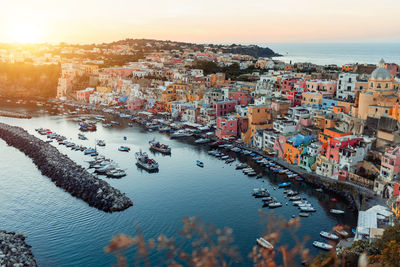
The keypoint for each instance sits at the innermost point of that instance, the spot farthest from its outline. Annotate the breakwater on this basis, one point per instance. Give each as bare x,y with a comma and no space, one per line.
14,115
14,251
64,172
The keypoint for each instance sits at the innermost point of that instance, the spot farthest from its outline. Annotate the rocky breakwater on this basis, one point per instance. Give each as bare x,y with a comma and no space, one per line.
14,252
14,115
64,172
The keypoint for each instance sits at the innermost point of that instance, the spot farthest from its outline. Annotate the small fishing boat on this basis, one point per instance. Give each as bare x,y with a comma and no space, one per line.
332,199
199,163
116,173
156,146
308,209
264,243
89,151
322,245
252,173
144,162
295,198
202,141
225,157
101,143
82,137
124,149
304,214
180,133
241,166
329,235
229,160
284,184
319,190
274,205
335,211
340,231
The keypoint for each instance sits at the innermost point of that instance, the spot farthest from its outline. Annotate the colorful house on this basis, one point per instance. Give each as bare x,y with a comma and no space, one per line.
294,147
260,117
226,127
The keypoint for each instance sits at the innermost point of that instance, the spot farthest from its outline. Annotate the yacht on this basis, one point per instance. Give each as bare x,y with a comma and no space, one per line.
143,161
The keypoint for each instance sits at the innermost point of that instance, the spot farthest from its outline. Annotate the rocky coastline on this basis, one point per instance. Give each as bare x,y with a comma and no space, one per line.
64,172
14,251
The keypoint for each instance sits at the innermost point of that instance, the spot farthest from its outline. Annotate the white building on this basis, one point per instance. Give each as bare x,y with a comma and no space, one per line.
346,86
284,126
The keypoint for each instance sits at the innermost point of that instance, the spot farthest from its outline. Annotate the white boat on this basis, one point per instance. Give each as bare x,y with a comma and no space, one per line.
275,205
304,214
264,243
116,173
105,168
295,198
101,143
307,209
241,166
202,141
334,211
225,157
322,245
329,235
82,137
124,149
181,133
145,162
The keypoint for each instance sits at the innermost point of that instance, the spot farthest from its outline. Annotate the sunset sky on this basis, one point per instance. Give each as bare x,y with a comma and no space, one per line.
218,21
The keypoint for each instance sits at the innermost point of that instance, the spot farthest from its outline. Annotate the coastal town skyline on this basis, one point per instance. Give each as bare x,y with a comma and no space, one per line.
201,22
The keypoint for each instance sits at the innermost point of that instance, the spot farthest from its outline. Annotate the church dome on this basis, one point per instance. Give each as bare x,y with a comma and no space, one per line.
381,74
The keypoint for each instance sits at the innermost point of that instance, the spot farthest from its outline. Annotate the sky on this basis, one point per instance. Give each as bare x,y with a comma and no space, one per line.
201,21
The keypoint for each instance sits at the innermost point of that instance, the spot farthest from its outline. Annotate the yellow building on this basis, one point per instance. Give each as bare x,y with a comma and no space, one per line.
380,96
103,89
311,99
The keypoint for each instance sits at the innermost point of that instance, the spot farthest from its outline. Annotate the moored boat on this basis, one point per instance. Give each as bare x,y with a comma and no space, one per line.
156,146
143,161
264,243
124,149
322,245
335,211
329,235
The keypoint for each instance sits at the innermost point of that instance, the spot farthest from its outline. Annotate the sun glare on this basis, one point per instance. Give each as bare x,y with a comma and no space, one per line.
24,33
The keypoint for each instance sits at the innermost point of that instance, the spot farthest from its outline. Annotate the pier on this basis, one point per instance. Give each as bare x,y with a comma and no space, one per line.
14,251
64,172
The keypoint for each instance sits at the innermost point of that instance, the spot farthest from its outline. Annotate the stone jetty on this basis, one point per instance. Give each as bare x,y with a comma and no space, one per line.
14,252
14,115
64,172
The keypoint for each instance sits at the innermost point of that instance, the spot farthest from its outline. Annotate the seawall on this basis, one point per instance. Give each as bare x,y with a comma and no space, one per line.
64,172
14,115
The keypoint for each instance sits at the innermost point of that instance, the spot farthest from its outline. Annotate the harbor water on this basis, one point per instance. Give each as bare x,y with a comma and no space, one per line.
66,231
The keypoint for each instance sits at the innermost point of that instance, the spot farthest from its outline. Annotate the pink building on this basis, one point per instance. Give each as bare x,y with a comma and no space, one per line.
136,104
243,98
83,95
124,72
321,86
301,85
390,165
294,97
226,127
333,149
223,108
279,145
288,84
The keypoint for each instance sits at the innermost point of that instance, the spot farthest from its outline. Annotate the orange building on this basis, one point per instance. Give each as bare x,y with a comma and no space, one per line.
326,137
260,117
322,122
